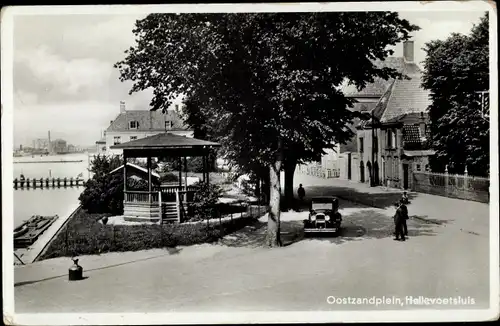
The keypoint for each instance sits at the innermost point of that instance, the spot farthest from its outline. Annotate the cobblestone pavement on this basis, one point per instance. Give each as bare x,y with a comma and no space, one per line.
238,274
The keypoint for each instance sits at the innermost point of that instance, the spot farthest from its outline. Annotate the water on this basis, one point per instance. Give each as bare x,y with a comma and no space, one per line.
51,201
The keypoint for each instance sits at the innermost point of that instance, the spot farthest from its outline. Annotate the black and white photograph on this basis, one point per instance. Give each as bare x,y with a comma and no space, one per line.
250,163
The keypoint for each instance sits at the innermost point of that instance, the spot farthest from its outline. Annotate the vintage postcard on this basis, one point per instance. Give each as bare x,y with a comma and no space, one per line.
250,163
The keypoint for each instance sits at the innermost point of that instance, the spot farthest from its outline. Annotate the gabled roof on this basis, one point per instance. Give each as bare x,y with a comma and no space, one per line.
403,98
379,85
164,141
137,167
148,120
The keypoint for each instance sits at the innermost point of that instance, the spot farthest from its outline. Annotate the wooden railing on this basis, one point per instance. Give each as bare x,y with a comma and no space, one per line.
141,196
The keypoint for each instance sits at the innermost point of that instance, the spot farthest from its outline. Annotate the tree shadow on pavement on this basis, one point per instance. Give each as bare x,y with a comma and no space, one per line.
252,235
382,199
371,224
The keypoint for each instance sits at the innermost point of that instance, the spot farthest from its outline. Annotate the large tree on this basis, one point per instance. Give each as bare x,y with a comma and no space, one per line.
455,70
265,85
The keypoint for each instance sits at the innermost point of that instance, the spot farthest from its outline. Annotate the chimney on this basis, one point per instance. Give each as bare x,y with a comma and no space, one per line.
122,107
408,51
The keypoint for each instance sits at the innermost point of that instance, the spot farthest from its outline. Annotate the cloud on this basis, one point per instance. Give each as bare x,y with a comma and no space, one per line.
24,99
68,76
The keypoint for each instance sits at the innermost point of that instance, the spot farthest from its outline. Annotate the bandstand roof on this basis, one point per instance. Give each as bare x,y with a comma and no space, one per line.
164,143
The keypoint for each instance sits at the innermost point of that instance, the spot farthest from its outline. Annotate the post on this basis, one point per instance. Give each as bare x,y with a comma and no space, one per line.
159,203
204,167
466,179
149,178
124,172
372,174
185,178
208,169
180,172
446,180
178,204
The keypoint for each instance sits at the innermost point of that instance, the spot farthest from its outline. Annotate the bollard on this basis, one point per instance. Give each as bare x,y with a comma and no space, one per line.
41,182
65,180
15,183
58,182
75,271
34,183
47,182
28,183
71,182
53,182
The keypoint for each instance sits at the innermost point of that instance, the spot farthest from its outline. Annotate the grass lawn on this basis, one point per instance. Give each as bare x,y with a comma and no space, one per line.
86,235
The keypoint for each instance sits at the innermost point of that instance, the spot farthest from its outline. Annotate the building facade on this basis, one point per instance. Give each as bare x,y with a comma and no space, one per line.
131,125
400,109
394,140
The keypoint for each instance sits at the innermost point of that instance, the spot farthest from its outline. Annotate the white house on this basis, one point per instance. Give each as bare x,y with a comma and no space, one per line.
130,125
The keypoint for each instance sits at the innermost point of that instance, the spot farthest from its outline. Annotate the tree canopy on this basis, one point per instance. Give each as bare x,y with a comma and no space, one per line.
265,85
455,70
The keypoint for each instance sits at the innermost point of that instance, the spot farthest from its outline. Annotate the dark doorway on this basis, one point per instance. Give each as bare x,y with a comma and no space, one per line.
361,172
348,166
405,176
376,173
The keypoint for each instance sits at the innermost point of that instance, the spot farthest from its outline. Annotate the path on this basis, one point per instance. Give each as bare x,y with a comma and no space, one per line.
440,259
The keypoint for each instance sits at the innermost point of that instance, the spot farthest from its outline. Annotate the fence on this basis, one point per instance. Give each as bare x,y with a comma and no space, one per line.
318,171
452,185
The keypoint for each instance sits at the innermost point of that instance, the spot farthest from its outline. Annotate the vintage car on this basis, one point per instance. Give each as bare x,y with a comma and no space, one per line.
324,216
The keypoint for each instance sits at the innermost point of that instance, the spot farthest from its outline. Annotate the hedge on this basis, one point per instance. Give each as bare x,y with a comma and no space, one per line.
85,235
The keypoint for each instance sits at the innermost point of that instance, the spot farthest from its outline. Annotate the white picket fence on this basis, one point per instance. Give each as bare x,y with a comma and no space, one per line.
318,171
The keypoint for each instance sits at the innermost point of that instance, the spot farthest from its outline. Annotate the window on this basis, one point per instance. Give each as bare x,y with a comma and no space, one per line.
133,138
391,138
169,125
117,140
361,145
134,124
418,167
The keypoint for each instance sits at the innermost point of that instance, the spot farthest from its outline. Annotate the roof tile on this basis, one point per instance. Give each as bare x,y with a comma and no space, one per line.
148,120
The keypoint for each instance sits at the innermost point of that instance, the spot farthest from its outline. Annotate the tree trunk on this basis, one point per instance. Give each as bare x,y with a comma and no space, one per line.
290,166
257,189
273,222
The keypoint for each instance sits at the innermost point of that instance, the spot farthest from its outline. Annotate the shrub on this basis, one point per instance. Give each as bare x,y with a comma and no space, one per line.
205,199
169,177
104,192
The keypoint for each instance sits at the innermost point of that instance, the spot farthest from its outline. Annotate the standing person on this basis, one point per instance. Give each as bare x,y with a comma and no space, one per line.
404,198
302,193
398,222
404,213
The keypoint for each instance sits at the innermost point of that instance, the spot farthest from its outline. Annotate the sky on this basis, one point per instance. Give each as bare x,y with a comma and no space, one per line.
64,80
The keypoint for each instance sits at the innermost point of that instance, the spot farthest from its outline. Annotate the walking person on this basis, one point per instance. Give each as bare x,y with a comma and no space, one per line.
301,193
405,217
399,217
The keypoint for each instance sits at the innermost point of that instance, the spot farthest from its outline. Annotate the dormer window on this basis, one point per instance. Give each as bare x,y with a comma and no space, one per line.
169,125
134,124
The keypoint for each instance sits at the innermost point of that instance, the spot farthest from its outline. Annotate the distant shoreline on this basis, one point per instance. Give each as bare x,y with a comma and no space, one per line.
60,161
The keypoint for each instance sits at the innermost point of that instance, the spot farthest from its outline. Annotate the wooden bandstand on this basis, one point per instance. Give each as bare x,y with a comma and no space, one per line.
166,203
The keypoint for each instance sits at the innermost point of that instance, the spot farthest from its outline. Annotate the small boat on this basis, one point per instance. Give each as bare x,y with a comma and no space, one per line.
20,230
